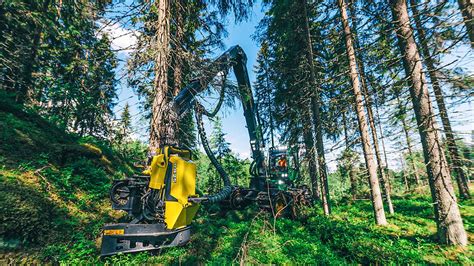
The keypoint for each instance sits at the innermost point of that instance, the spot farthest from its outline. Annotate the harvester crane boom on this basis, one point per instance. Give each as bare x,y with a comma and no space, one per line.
236,59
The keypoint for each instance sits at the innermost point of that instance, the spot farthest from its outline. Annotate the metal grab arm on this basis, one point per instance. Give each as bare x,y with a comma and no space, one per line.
184,101
236,59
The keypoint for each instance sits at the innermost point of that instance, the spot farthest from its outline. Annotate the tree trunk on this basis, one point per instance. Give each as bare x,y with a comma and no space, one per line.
323,176
163,123
296,160
26,87
178,75
376,196
468,156
447,215
410,152
352,177
270,103
178,50
373,129
443,112
381,133
311,158
407,138
467,10
405,180
177,57
315,106
384,151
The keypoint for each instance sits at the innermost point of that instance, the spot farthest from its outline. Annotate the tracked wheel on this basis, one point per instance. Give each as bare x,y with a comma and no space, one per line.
278,204
301,201
236,200
120,193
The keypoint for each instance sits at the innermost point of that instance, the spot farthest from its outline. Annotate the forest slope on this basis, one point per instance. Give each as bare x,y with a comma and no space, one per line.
53,202
53,186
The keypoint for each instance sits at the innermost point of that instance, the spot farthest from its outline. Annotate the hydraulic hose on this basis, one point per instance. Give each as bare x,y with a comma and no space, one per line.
227,189
216,109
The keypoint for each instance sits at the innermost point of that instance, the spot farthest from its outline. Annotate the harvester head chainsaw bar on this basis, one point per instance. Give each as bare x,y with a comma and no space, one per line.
128,238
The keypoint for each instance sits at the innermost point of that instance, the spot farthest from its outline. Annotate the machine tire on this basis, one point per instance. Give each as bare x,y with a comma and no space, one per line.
120,191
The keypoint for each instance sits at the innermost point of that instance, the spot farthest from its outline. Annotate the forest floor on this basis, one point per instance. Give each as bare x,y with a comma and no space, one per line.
53,203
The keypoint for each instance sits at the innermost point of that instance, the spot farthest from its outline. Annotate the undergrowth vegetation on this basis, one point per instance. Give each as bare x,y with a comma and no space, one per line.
53,203
348,236
53,185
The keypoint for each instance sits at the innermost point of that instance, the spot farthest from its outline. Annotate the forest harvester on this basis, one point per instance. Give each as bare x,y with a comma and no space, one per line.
163,201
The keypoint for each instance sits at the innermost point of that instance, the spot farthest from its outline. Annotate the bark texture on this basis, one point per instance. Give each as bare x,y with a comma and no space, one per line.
448,218
467,10
350,166
311,158
178,53
456,164
163,122
368,102
376,196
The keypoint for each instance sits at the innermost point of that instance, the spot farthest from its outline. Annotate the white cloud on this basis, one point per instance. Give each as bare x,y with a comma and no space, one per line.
123,40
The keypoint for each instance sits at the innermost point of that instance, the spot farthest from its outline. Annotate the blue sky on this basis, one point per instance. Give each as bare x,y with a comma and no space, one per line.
233,120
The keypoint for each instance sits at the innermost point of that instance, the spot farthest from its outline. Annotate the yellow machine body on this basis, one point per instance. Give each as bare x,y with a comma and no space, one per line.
174,174
158,168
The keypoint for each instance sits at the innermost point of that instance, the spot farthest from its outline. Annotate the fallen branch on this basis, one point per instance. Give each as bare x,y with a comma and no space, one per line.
37,172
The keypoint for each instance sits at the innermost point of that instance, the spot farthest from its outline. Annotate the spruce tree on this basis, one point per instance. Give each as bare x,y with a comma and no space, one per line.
376,195
217,141
447,215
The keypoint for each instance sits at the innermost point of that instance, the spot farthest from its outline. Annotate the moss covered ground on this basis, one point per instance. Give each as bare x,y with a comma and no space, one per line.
53,203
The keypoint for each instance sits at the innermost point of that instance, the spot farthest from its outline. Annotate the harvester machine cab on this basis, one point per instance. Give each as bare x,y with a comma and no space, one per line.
279,164
283,165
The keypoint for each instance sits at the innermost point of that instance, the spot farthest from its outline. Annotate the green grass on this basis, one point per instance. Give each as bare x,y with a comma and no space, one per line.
53,203
348,236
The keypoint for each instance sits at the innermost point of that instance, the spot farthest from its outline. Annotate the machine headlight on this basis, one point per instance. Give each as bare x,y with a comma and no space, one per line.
280,182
